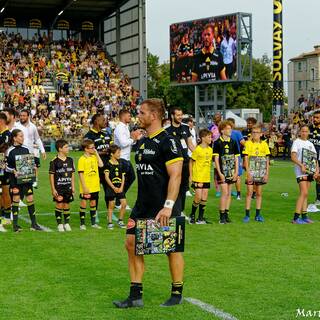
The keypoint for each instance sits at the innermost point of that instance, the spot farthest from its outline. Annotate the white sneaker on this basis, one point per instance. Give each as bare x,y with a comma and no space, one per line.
188,194
67,227
35,184
121,224
95,226
118,207
60,227
184,215
22,204
110,226
2,229
83,227
312,208
128,207
238,198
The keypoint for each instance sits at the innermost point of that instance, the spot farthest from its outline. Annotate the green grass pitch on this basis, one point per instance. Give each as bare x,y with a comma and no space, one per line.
253,271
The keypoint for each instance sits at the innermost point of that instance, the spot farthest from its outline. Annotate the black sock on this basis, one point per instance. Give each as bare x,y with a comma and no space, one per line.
202,207
176,289
82,216
226,214
7,213
296,216
238,194
253,194
15,212
195,206
304,215
58,214
135,291
93,214
221,214
66,215
247,212
32,212
258,212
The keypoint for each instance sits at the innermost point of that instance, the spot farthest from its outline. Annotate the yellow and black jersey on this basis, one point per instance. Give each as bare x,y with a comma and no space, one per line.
102,141
88,165
116,173
314,137
62,171
153,155
208,65
256,149
201,167
181,134
5,137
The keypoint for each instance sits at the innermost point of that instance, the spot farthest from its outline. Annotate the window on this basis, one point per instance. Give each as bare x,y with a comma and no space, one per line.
312,74
299,66
300,85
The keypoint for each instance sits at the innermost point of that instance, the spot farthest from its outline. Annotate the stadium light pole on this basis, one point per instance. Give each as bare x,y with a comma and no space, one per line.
278,92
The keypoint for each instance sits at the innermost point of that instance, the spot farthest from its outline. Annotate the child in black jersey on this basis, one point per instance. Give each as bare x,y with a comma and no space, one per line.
18,189
115,178
61,173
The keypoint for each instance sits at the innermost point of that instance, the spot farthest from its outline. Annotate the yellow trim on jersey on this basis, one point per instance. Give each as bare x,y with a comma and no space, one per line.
93,130
174,160
6,129
215,154
156,133
227,140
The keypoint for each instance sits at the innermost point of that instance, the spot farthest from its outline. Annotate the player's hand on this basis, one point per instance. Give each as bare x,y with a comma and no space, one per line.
222,177
303,168
54,193
163,216
44,156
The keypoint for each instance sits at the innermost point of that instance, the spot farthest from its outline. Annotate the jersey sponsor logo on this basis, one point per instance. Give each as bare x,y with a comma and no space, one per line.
148,151
144,169
173,146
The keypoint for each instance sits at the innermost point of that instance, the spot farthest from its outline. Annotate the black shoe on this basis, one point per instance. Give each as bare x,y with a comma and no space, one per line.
36,227
172,301
17,228
192,221
227,218
129,303
223,221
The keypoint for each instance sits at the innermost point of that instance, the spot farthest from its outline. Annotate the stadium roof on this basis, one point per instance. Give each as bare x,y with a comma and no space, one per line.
48,10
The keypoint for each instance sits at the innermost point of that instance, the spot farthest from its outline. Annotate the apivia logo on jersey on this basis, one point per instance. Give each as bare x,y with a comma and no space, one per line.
144,169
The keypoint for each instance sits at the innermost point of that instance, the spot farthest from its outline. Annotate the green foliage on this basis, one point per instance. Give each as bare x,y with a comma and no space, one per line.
255,94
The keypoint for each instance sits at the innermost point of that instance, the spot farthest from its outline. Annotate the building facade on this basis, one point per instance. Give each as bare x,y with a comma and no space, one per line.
304,78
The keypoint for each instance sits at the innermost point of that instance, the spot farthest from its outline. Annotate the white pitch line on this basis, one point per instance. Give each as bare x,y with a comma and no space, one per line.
211,309
46,229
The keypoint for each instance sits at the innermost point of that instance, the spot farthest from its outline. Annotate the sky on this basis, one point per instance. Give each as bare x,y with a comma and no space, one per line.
300,23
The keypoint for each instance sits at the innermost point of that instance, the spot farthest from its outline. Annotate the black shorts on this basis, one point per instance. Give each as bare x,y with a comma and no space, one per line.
200,185
5,179
119,196
63,197
305,178
90,196
131,225
22,190
37,162
227,181
252,183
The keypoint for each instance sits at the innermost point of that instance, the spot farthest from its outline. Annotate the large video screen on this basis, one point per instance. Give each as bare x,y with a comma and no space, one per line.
204,51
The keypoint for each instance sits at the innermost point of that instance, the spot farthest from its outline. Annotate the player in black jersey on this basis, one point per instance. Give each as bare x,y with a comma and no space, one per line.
181,133
5,136
115,177
226,153
159,165
61,174
18,191
314,137
208,64
102,141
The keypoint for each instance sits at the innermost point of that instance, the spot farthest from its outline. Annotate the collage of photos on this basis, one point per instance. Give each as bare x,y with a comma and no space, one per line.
151,238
